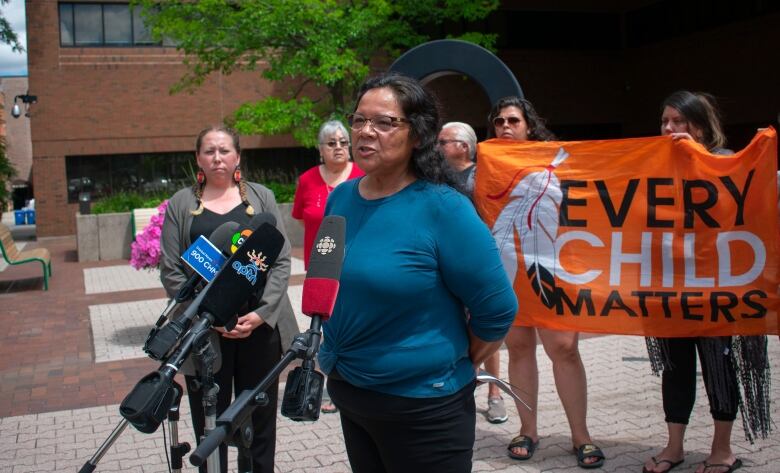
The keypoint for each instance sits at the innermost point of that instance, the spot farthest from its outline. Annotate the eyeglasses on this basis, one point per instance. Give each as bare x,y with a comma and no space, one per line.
337,144
446,142
381,123
513,121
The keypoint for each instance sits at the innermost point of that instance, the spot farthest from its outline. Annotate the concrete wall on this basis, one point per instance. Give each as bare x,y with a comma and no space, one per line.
103,237
292,227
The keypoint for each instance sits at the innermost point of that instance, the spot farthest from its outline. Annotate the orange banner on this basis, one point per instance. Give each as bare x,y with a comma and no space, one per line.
643,236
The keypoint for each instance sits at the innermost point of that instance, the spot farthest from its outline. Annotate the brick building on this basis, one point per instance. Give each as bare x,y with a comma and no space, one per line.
596,69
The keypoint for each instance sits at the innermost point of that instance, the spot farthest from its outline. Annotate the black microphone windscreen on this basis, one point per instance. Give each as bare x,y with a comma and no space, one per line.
261,218
321,285
242,274
243,232
221,236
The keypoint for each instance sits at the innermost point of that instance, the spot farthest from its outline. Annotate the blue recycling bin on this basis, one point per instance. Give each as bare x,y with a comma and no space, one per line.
30,216
19,216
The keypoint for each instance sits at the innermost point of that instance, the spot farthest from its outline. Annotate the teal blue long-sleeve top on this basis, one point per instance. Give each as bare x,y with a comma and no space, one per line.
412,261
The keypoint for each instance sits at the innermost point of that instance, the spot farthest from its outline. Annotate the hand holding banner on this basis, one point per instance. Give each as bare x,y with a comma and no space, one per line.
639,236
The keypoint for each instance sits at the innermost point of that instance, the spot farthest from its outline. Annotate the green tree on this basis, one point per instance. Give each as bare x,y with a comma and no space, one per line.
7,34
320,50
7,172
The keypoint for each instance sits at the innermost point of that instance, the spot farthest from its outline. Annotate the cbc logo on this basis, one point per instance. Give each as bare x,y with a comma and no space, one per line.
326,245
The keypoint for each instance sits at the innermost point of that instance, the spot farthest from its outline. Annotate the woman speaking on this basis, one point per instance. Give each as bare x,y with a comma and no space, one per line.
399,351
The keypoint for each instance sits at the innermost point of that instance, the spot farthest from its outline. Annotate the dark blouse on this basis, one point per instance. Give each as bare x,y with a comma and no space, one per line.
205,223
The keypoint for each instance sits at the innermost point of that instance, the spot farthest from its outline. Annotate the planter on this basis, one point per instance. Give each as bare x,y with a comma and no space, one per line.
103,237
108,236
87,242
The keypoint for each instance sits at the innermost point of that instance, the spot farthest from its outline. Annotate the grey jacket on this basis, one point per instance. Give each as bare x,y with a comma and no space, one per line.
275,307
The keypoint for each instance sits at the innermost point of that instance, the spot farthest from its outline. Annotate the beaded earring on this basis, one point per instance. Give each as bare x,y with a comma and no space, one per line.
200,177
237,175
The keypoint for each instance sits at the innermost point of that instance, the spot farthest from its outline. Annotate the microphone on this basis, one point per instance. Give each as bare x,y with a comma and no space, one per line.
162,339
228,236
303,390
220,238
246,272
146,405
240,235
321,285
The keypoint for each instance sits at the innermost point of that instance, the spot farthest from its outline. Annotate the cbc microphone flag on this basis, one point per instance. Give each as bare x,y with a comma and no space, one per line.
645,236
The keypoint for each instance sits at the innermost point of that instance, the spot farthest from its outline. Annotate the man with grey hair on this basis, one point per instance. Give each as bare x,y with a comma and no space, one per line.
458,143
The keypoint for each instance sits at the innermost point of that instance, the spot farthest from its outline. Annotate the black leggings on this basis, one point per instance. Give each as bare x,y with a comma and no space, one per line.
679,383
392,434
244,363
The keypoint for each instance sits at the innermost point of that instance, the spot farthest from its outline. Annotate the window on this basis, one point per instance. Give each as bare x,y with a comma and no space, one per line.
104,24
118,24
149,173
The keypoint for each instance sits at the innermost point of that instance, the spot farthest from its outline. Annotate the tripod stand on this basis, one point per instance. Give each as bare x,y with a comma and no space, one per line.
155,397
177,450
234,426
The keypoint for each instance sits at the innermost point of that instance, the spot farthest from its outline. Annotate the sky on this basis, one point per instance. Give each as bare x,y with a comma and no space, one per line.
11,63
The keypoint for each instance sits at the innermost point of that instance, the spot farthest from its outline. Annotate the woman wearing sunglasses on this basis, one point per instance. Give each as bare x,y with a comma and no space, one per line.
313,189
316,184
513,118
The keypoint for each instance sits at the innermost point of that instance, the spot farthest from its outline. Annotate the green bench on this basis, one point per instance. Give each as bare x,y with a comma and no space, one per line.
13,256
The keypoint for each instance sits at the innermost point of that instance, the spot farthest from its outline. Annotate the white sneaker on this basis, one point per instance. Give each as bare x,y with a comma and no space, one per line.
496,412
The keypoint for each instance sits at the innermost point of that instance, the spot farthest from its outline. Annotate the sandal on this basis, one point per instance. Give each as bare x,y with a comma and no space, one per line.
731,468
328,407
588,450
672,465
522,441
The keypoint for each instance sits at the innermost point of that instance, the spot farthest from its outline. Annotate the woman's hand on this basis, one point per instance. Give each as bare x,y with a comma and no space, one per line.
681,136
244,326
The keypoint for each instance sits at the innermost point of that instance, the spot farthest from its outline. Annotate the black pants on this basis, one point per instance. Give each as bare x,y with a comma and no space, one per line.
385,433
679,383
244,363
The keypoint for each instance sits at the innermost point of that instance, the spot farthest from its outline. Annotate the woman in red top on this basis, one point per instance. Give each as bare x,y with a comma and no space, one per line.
313,189
315,184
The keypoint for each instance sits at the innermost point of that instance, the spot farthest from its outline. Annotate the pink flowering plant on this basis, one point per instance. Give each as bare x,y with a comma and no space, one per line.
145,250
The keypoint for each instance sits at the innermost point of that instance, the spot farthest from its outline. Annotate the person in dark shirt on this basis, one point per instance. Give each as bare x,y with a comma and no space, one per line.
458,144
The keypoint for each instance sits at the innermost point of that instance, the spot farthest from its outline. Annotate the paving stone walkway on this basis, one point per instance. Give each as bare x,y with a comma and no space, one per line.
67,358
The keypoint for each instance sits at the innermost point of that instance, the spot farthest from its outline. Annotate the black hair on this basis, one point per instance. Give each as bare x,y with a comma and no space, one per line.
422,111
537,130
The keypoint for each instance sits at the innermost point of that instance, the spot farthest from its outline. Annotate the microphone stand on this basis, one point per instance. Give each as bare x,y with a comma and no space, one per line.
204,357
234,426
177,450
155,386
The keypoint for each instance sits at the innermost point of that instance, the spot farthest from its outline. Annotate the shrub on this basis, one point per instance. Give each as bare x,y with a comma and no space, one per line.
126,202
145,250
284,193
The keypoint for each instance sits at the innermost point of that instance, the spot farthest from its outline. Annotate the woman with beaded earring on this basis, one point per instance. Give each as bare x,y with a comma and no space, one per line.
314,187
266,324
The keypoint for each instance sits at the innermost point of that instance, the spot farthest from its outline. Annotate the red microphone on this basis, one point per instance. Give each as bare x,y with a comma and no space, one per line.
303,390
321,286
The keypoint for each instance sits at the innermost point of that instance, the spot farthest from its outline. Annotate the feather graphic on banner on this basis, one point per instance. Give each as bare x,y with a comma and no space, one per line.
532,211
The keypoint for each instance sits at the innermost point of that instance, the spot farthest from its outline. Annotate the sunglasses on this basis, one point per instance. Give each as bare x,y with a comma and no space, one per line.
337,144
499,121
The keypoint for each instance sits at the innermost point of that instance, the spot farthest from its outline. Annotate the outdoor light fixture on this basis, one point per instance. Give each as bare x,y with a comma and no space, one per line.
26,99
